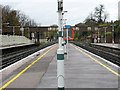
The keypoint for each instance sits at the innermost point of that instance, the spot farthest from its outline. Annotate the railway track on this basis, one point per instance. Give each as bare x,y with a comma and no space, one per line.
111,54
10,58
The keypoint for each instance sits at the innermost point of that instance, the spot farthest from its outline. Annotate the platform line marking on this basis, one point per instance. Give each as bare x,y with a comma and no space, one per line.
4,86
98,61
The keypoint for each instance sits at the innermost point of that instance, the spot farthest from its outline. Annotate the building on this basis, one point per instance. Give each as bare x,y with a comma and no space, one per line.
119,10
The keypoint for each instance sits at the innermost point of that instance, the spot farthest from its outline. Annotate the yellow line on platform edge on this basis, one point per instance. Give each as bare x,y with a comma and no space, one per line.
4,86
98,62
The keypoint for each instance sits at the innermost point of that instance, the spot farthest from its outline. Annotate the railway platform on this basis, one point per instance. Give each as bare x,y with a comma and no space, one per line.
82,70
14,46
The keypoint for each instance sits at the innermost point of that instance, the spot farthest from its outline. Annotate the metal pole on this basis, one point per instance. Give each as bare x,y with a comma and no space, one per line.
113,34
0,19
60,53
62,31
98,35
67,43
28,34
105,34
22,32
65,46
13,30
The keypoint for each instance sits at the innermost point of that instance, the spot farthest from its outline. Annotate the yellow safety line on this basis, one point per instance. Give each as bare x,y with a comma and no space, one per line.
4,86
98,62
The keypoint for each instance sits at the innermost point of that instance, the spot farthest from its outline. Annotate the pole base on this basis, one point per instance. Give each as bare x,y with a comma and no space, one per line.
61,88
65,53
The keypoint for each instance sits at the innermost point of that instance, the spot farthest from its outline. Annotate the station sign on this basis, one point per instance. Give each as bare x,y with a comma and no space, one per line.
94,36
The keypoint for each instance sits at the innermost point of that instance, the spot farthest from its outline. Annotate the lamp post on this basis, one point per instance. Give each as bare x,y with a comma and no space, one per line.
60,52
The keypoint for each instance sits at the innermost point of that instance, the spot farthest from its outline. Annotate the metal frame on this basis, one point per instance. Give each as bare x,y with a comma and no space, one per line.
72,34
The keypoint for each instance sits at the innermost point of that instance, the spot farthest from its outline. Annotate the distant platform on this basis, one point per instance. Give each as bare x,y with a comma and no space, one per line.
108,45
12,46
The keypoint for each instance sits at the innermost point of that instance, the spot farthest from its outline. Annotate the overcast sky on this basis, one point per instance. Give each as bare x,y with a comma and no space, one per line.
45,11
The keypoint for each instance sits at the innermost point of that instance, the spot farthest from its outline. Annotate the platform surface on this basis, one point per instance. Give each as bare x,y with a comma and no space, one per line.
82,70
12,46
108,45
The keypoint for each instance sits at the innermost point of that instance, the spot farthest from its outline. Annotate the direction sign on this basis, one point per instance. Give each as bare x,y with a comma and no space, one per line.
67,26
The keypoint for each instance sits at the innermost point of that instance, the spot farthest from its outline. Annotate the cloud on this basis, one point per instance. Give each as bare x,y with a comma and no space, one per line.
45,11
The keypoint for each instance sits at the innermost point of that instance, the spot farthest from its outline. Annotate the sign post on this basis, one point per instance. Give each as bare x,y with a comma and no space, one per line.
94,36
67,27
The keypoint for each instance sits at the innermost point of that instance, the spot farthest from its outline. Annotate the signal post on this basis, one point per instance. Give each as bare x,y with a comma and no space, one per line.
60,51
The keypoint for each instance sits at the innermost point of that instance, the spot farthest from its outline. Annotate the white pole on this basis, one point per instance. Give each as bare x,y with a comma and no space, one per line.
67,43
0,19
60,52
113,34
98,35
13,30
62,31
105,34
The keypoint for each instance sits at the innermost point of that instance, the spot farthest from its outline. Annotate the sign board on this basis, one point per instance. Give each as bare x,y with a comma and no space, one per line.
67,26
94,36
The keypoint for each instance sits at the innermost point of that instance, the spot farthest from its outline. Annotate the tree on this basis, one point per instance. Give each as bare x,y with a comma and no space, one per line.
106,15
100,14
90,20
15,18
